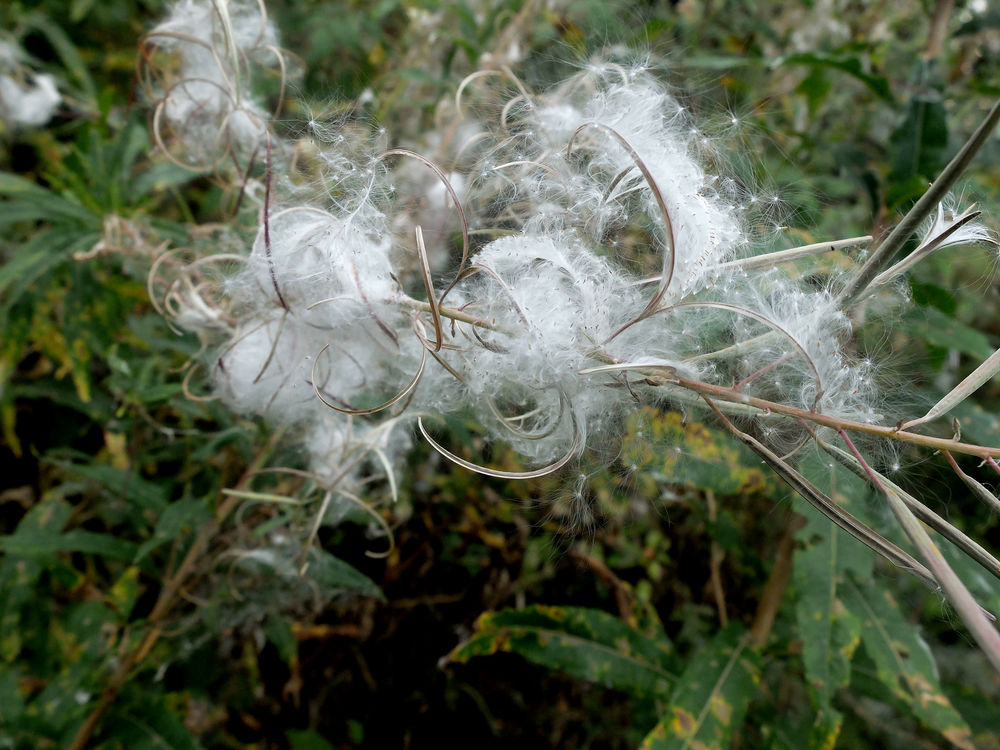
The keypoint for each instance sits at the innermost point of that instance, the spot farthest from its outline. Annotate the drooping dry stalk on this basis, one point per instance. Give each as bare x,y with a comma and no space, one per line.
884,253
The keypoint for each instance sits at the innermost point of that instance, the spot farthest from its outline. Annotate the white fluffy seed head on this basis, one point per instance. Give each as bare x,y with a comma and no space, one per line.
27,99
973,232
320,266
205,94
622,126
573,185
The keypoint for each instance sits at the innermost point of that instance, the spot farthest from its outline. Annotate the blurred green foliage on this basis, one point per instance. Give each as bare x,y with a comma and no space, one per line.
150,578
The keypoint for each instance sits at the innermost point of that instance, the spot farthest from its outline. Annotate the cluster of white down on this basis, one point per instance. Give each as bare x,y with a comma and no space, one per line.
705,227
27,99
205,105
323,331
318,316
556,302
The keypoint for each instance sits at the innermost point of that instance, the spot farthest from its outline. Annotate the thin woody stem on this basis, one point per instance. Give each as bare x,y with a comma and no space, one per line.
883,255
927,441
777,582
451,313
665,376
168,598
981,629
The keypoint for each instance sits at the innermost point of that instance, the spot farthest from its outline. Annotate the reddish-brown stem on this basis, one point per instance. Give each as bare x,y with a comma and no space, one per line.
267,226
728,394
777,582
872,477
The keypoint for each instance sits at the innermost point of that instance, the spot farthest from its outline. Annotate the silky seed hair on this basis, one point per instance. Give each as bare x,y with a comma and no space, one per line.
593,231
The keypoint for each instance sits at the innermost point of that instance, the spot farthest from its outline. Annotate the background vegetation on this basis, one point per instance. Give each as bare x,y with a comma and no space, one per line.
145,594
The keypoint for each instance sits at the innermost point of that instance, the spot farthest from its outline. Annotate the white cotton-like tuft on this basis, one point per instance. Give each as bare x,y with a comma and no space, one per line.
343,449
620,122
807,339
316,260
267,369
607,243
939,229
205,96
29,104
556,302
27,99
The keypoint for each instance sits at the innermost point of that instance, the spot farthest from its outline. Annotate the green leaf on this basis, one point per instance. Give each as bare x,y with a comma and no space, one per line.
18,579
121,483
47,204
673,451
926,294
327,570
712,697
152,728
852,65
815,87
978,425
32,260
906,190
79,9
11,696
938,329
161,177
67,51
173,521
83,635
307,740
125,591
38,535
829,633
903,661
585,643
719,62
279,632
75,540
917,146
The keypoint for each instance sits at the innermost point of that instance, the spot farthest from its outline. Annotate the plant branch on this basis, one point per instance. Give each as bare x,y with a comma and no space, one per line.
984,632
716,556
165,602
777,582
657,375
825,505
884,253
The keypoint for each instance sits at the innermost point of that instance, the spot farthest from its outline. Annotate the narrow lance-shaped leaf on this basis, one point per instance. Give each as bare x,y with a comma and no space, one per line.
585,643
829,633
903,661
852,65
882,255
917,145
710,701
978,488
331,571
962,391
